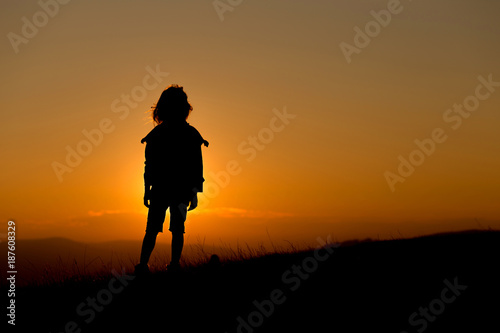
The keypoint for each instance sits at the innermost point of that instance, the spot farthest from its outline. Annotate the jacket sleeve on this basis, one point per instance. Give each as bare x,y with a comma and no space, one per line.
149,163
148,172
198,171
197,162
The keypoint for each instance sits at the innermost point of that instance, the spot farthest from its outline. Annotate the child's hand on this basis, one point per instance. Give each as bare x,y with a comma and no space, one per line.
194,202
147,197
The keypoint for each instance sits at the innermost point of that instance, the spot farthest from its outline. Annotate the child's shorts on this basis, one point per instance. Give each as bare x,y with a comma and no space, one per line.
157,212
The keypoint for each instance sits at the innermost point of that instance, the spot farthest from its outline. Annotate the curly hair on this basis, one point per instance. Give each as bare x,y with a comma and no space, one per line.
172,106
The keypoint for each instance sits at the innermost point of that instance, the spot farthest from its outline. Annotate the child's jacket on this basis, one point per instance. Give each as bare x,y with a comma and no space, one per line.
174,165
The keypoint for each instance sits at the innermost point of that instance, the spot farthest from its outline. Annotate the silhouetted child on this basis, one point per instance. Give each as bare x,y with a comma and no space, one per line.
173,173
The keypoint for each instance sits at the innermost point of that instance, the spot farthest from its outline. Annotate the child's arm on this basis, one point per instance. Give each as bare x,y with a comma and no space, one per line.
194,202
196,166
147,175
147,197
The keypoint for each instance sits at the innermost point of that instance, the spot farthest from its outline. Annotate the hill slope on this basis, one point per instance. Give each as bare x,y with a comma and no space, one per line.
441,283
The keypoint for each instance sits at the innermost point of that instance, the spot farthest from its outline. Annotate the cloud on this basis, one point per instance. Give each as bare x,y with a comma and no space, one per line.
232,212
104,212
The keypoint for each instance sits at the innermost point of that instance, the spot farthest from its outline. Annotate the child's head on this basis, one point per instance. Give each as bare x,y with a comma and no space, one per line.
173,105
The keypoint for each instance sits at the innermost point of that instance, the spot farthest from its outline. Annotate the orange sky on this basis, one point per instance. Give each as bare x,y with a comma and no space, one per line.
301,136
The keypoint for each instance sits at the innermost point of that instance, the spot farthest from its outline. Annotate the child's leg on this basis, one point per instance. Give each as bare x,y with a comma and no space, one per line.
177,244
178,213
156,216
148,244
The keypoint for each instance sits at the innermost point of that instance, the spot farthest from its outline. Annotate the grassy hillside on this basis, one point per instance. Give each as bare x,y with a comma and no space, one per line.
440,283
51,260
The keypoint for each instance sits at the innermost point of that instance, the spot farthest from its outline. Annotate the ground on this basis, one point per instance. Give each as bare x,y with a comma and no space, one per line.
439,283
